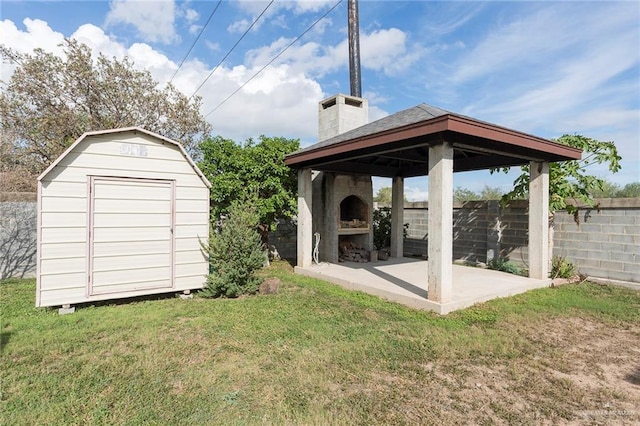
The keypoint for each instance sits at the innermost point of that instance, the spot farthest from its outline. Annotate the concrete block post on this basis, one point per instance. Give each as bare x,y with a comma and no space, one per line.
440,222
539,220
397,216
305,218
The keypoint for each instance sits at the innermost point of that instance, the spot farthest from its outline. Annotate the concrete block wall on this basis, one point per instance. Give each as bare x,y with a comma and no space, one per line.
606,242
478,231
284,239
18,238
415,214
514,241
470,232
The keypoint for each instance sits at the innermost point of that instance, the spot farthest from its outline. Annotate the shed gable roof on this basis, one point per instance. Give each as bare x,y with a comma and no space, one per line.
88,135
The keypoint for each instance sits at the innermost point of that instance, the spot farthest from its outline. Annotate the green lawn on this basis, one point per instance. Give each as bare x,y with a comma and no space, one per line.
317,354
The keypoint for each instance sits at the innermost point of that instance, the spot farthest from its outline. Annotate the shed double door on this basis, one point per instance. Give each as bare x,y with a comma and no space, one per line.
131,235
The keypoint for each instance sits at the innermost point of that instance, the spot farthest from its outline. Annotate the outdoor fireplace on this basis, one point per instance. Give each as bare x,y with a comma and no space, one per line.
341,203
342,206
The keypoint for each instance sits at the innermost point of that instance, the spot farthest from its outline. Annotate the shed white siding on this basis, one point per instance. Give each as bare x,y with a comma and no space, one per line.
122,213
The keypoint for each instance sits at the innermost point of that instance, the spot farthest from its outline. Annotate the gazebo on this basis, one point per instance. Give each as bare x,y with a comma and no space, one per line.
426,140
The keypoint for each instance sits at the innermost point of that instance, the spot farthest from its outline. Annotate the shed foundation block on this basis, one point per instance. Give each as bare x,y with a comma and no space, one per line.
66,309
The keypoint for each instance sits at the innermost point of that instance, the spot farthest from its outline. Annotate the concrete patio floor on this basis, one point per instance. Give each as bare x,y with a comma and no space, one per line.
404,280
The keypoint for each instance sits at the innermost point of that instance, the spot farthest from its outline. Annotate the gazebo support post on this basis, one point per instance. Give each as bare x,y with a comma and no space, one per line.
539,220
305,218
440,223
397,216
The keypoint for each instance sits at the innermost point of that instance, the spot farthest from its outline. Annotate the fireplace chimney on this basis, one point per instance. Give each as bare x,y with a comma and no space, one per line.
340,113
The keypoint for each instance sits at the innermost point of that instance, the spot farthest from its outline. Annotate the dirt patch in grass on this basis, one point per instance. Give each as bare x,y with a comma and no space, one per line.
585,373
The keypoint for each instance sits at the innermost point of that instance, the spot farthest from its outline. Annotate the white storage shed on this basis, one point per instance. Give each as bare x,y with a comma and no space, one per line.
121,213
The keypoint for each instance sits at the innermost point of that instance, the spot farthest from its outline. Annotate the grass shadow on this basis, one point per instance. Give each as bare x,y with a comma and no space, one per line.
4,339
634,377
130,300
291,262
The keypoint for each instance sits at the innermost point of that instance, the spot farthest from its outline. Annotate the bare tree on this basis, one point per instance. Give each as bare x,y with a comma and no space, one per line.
50,101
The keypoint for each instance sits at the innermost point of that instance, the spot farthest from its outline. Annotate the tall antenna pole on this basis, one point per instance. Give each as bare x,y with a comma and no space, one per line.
354,48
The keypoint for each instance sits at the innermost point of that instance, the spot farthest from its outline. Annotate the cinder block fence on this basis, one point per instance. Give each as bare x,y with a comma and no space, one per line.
605,244
18,224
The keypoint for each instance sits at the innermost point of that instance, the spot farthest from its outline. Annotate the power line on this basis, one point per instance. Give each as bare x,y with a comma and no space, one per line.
231,50
195,41
274,58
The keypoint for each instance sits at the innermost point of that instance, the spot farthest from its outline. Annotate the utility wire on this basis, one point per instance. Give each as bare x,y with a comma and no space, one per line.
231,50
274,58
196,40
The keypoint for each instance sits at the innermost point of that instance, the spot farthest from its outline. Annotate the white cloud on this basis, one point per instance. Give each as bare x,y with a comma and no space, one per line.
280,101
546,38
305,6
98,41
545,74
574,84
276,102
154,19
239,26
272,13
415,193
214,47
386,50
37,33
194,29
381,50
298,7
450,16
191,15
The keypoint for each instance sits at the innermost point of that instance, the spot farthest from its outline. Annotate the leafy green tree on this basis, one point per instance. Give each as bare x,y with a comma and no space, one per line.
254,167
235,252
608,190
462,195
50,101
382,228
569,182
383,195
630,190
491,193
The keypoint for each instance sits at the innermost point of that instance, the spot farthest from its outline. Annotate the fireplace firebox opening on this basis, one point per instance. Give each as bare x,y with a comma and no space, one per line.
354,213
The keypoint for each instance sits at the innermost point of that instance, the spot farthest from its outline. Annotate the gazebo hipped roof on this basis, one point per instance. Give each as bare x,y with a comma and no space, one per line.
398,145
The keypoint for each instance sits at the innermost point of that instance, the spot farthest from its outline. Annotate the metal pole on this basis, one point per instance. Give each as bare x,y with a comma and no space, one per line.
354,48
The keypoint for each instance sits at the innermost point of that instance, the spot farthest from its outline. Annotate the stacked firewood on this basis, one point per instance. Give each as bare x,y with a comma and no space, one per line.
351,252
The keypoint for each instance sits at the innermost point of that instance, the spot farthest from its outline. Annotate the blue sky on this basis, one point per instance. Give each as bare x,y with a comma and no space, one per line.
545,68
